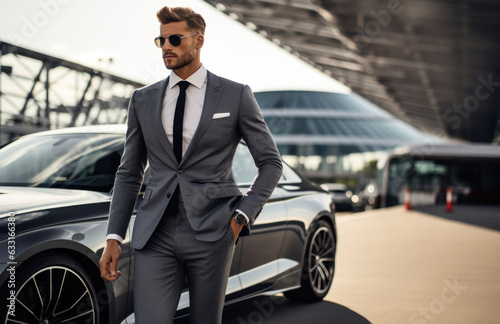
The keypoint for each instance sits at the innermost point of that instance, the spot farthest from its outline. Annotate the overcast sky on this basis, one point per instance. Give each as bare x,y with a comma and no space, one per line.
85,31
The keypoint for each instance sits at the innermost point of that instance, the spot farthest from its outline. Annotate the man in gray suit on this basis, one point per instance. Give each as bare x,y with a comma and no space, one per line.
192,210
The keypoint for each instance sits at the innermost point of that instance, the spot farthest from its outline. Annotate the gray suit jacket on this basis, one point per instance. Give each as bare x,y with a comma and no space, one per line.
204,175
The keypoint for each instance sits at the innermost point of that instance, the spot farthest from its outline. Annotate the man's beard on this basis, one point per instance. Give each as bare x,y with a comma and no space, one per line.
182,61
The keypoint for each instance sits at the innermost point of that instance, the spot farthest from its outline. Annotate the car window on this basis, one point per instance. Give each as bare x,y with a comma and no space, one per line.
75,161
244,168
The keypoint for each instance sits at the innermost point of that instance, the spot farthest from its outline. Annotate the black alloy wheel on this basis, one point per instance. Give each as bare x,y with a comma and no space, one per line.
54,289
318,265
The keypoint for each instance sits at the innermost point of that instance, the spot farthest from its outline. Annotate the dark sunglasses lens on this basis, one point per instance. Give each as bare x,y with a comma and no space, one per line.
175,40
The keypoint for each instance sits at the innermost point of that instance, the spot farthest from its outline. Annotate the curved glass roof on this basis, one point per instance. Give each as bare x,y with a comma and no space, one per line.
309,117
349,102
389,129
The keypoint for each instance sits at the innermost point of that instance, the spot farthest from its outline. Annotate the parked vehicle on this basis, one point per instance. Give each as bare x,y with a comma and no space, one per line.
427,171
55,191
341,195
367,198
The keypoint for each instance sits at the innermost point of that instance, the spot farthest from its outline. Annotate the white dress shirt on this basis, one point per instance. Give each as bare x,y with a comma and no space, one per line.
195,97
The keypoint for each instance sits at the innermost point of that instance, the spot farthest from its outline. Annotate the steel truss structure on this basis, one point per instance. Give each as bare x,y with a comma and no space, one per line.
40,92
432,63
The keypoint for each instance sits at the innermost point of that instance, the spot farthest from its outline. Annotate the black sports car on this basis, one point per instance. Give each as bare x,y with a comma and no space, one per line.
54,199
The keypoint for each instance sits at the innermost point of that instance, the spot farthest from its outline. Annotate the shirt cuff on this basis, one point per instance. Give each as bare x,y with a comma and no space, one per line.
242,213
114,237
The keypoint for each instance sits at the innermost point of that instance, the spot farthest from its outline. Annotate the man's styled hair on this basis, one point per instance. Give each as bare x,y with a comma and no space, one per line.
176,14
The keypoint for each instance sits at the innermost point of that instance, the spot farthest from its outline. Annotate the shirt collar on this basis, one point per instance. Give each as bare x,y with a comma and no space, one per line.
197,79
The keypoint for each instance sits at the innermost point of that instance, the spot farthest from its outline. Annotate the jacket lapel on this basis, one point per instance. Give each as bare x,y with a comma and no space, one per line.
159,129
212,96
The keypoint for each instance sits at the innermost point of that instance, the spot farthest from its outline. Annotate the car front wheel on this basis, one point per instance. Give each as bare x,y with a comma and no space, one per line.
53,288
318,265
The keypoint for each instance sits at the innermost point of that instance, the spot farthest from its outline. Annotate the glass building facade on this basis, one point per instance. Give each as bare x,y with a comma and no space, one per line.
330,136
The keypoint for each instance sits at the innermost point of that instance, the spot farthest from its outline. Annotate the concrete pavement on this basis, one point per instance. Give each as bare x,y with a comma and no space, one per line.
397,266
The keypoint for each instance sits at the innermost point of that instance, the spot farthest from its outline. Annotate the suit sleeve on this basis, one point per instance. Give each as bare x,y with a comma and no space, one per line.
129,176
260,142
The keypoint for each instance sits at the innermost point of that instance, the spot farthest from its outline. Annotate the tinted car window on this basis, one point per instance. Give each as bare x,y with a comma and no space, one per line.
244,168
75,161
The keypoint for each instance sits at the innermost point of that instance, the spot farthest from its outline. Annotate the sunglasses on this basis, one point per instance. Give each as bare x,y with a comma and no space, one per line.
174,40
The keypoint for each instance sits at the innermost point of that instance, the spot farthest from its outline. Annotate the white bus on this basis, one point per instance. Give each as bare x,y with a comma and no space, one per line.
472,172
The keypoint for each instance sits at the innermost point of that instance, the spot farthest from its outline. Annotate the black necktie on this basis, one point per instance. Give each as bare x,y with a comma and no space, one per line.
179,118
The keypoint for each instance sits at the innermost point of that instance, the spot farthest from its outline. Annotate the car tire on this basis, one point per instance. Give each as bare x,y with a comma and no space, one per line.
53,288
318,265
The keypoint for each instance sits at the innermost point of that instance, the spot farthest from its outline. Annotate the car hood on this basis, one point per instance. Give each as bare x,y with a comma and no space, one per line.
22,199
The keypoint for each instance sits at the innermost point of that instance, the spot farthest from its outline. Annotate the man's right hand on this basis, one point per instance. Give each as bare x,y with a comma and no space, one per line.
109,260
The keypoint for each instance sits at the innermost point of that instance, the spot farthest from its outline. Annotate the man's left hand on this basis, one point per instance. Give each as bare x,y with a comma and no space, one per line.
236,228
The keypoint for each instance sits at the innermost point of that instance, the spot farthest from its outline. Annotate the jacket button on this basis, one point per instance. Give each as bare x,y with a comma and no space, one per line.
180,171
168,195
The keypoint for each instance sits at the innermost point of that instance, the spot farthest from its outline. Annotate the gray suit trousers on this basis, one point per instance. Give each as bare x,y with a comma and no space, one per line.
171,254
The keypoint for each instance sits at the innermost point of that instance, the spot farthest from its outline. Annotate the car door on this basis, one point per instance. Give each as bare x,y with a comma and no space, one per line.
256,255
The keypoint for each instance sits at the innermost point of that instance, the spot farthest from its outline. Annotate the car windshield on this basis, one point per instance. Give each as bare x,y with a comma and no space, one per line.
74,161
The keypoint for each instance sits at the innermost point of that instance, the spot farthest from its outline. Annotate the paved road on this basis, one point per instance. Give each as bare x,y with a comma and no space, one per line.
396,266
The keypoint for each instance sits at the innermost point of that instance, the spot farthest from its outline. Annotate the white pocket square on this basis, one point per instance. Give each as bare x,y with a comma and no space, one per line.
221,115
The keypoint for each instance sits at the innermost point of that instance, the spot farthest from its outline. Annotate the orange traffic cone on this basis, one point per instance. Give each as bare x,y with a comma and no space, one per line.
449,199
407,198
